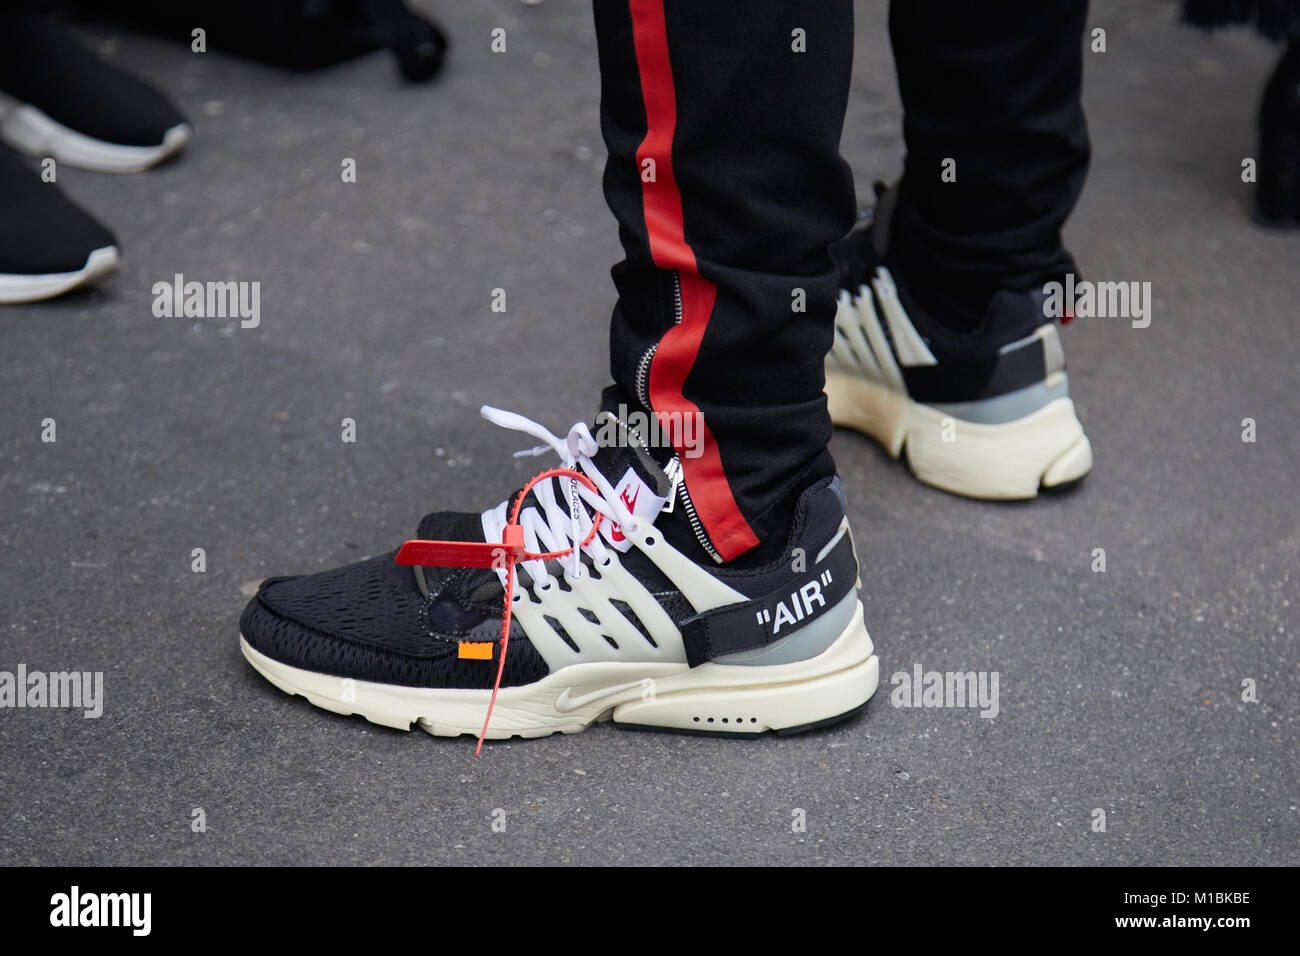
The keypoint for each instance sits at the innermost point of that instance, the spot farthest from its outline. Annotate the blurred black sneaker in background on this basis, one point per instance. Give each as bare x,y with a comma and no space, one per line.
48,245
58,99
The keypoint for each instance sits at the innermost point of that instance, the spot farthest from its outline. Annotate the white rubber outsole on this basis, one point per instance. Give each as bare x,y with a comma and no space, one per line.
29,129
1009,461
711,698
15,289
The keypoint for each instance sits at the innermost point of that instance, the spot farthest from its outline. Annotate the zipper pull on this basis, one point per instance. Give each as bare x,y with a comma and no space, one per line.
674,472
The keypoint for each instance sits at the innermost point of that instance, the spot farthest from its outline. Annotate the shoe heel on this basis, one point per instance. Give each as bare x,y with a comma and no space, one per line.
856,402
735,700
1007,461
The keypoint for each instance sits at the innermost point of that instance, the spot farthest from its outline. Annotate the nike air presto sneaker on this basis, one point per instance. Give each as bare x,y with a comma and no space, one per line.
638,624
984,413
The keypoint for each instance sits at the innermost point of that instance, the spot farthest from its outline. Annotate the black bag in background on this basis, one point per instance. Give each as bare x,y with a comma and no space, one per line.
300,34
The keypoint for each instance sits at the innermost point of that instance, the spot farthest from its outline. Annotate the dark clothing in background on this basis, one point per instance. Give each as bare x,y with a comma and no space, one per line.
1275,19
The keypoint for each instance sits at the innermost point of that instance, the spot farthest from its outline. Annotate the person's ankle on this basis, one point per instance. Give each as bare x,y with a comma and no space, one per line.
946,302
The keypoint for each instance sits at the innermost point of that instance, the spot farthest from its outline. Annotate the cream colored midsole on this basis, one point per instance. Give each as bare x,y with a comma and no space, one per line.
717,697
1011,460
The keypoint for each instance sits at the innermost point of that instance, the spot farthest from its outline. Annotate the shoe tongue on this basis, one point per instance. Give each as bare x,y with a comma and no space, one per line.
615,461
631,437
628,438
631,457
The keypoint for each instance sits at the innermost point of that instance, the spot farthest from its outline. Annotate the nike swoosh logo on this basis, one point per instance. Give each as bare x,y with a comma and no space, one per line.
616,532
566,702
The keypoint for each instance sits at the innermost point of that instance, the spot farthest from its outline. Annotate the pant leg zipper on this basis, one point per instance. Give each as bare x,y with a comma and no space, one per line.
643,367
643,376
697,526
674,469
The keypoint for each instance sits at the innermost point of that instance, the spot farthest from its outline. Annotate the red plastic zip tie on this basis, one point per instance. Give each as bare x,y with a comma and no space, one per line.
489,554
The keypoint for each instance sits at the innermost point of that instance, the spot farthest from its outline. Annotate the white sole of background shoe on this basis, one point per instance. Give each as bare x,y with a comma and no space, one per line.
15,289
1044,449
725,699
27,128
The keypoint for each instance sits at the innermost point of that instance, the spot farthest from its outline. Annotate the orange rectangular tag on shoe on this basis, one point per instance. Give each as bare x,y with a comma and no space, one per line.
458,554
475,651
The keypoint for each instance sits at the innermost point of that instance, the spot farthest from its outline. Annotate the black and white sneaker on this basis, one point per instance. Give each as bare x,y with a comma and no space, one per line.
48,245
631,627
57,99
985,413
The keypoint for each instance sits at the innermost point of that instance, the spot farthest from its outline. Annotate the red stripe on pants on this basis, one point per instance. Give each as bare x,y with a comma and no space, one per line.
710,493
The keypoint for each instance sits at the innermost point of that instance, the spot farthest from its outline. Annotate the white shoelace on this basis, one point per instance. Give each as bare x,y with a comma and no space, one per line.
551,525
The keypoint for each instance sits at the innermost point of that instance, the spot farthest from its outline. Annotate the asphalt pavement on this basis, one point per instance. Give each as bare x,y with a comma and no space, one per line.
1160,692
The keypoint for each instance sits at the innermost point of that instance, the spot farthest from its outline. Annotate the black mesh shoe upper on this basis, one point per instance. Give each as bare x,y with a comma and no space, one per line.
370,621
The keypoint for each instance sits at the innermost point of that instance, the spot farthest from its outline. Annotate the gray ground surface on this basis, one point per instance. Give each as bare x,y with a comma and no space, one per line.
1119,691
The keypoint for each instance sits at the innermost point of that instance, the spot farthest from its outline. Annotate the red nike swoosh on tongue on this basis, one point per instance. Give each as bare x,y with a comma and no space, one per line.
616,532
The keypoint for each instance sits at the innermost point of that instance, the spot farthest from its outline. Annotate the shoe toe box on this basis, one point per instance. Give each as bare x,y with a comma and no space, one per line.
369,621
46,233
